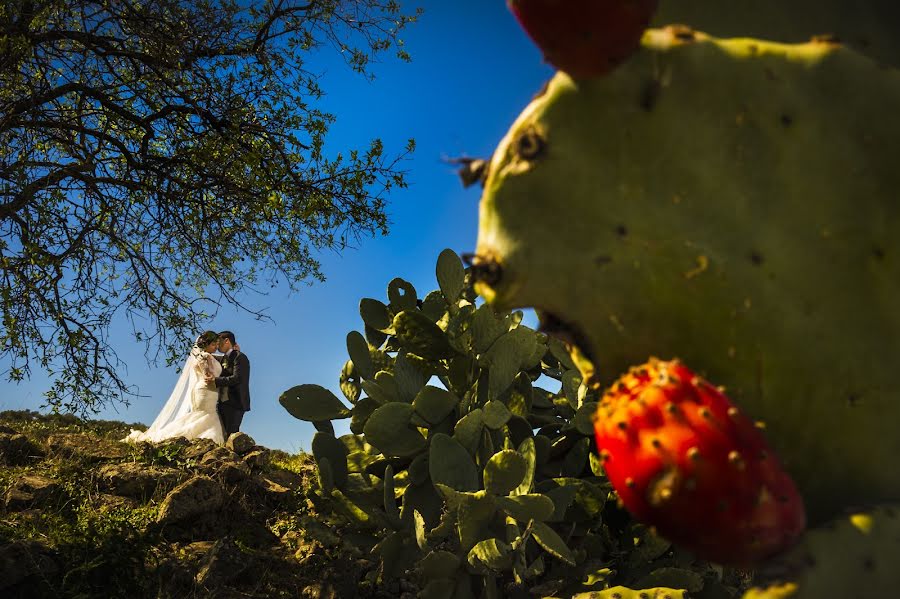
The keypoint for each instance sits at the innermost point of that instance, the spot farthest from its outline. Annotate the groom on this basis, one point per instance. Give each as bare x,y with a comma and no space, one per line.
233,384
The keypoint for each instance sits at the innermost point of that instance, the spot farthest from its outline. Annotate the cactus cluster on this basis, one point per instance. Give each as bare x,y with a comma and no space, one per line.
462,468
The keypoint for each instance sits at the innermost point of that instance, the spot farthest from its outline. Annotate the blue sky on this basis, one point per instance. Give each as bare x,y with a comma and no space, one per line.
473,71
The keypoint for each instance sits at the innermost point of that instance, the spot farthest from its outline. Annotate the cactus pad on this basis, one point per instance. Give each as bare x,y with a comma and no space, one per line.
732,203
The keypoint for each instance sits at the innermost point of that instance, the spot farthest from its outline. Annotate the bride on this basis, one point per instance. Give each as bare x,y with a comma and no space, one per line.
191,409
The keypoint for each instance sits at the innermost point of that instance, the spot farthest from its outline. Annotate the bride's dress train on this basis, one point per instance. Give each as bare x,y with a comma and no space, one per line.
191,409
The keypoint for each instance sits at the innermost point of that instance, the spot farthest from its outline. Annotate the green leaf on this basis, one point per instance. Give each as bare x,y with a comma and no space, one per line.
571,380
450,464
358,461
459,330
420,336
577,458
496,414
349,381
505,358
374,337
361,413
504,472
486,328
450,275
438,564
474,516
468,430
390,497
377,393
418,469
493,554
552,543
376,315
409,379
528,452
434,404
358,349
313,403
518,397
434,306
419,525
402,295
559,351
584,418
423,499
523,508
325,446
389,430
326,478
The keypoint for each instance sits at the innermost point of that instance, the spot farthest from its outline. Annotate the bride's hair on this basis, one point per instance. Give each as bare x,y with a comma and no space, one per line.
205,338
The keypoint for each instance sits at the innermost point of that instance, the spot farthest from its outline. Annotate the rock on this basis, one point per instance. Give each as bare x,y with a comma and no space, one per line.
257,458
233,473
30,490
191,502
224,563
16,449
135,480
199,448
272,492
240,443
285,478
82,447
219,455
21,560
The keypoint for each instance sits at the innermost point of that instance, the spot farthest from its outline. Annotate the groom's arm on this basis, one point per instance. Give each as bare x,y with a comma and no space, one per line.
241,363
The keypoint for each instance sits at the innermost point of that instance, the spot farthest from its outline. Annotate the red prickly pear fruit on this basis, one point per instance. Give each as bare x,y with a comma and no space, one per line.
584,38
684,459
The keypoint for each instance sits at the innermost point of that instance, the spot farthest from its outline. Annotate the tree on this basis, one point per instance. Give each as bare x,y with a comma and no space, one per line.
137,137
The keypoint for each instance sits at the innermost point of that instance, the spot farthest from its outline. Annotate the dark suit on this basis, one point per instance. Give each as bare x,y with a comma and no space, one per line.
234,391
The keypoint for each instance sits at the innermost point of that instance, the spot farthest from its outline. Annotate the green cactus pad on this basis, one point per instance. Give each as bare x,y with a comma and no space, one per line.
402,295
496,414
358,349
504,472
731,203
552,543
490,555
389,429
376,315
420,335
450,464
313,403
527,507
869,26
325,446
450,275
434,404
853,556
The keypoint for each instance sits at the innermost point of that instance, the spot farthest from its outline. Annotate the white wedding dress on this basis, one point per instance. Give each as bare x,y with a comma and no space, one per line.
191,409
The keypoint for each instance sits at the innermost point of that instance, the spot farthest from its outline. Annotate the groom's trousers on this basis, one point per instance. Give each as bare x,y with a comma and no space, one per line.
231,418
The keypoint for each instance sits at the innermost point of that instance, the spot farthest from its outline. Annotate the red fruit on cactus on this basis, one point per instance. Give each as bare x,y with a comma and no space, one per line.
685,460
584,38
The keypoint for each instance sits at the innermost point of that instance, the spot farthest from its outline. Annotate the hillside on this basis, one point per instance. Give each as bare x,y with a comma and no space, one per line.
84,515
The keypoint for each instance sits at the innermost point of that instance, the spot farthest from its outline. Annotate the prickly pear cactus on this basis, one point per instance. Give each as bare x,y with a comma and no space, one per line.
732,203
855,556
868,26
462,468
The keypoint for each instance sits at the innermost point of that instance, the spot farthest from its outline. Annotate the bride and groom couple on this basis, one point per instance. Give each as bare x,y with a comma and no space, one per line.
210,397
